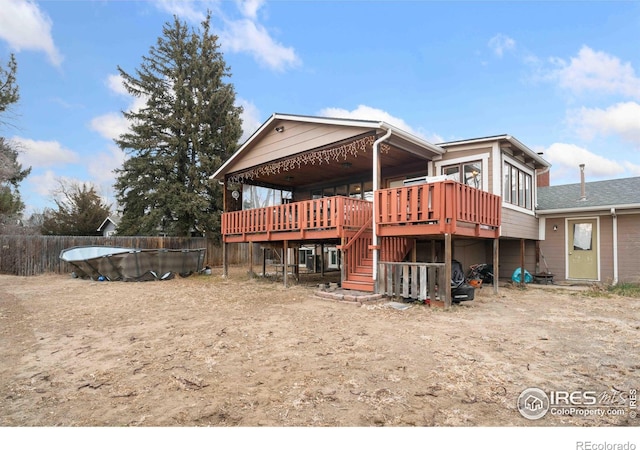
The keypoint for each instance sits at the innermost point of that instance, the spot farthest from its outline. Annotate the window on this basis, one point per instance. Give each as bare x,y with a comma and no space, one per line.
582,236
469,173
303,255
517,187
260,197
361,189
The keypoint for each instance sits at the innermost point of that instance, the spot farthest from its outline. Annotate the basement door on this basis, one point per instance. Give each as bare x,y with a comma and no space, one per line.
582,249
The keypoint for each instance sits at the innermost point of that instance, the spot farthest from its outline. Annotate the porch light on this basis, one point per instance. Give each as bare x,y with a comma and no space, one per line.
555,228
279,129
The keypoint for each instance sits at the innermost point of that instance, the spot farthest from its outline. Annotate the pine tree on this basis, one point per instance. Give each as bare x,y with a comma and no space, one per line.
11,172
187,129
80,211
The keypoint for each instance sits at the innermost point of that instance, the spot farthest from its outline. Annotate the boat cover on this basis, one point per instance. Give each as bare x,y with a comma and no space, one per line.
131,264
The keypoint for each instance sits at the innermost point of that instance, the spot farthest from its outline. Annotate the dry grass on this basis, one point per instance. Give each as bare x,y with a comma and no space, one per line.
247,352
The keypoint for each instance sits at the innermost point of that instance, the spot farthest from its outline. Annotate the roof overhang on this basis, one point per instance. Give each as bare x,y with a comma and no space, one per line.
607,209
506,142
399,138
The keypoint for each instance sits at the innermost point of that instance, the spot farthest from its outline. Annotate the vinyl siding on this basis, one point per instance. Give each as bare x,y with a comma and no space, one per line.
554,247
297,138
516,224
629,248
510,257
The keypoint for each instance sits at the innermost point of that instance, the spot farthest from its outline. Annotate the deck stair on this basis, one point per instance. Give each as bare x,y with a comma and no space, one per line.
359,258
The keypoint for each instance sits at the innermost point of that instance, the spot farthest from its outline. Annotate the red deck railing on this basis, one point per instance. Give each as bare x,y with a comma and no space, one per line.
434,208
330,213
437,208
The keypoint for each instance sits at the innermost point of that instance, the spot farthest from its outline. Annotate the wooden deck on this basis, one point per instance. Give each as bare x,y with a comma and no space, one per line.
436,209
325,218
401,215
426,209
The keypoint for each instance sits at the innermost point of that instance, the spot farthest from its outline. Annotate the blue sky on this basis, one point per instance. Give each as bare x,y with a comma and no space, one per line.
562,77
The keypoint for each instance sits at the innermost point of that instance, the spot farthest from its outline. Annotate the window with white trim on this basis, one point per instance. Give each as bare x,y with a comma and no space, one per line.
517,188
469,173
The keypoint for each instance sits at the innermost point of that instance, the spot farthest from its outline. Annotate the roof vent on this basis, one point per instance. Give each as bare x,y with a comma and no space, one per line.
583,191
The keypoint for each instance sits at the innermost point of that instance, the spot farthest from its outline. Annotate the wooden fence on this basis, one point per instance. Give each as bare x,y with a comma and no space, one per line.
34,255
418,281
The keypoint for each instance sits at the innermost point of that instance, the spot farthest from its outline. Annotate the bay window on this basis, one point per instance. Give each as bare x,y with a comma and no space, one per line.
517,186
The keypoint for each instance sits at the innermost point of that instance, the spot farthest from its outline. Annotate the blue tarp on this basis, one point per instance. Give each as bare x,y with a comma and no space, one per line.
528,278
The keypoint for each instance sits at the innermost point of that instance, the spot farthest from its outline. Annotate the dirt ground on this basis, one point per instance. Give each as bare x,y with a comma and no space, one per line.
208,351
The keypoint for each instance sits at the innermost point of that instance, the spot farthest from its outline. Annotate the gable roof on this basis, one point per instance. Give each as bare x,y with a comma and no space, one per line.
399,138
105,222
621,193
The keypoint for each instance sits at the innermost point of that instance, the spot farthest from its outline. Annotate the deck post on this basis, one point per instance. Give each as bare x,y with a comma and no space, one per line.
251,259
285,261
447,270
225,260
341,261
496,262
264,262
414,251
521,263
322,260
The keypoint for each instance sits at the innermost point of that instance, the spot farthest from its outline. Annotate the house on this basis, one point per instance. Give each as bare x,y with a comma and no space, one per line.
590,231
108,226
398,208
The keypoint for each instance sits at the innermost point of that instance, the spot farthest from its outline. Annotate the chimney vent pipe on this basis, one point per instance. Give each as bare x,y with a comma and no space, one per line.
583,192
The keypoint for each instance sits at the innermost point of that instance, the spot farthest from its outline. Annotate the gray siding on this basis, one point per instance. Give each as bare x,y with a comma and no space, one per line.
510,257
519,225
299,137
629,248
554,248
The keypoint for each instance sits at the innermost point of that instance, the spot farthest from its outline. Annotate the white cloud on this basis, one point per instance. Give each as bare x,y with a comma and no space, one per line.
115,83
621,119
44,184
250,119
184,9
245,35
364,112
42,153
633,169
566,159
249,8
596,72
102,164
501,43
112,125
238,35
25,27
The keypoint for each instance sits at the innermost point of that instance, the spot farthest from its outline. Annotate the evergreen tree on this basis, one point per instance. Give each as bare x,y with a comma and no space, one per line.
187,129
11,172
80,211
8,86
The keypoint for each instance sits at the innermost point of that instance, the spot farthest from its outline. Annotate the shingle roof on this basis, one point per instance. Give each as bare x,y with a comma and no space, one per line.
622,191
